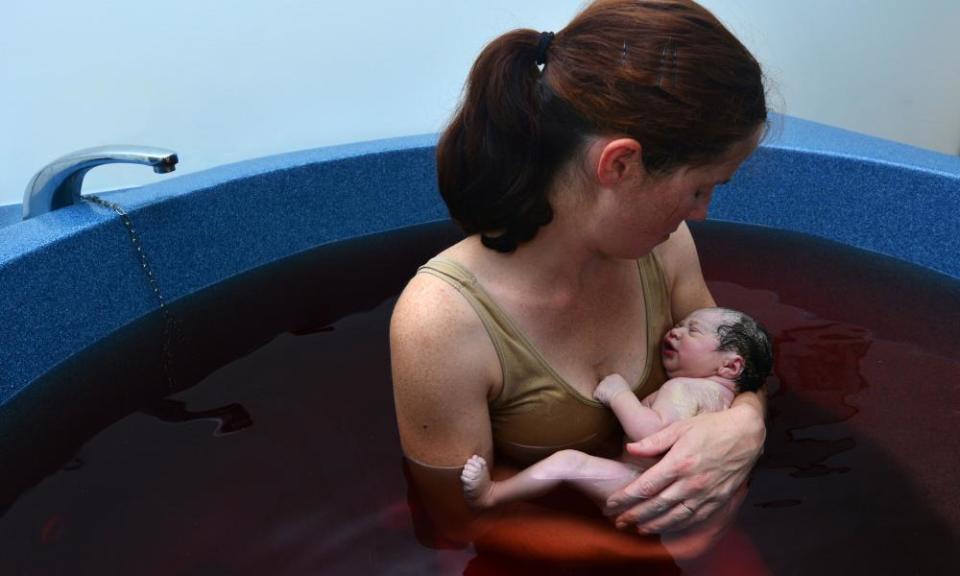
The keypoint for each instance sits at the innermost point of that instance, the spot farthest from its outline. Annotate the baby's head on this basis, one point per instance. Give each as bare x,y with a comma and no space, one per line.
719,342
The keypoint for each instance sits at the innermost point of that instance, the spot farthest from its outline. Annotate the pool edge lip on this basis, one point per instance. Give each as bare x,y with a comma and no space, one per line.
81,258
94,246
865,159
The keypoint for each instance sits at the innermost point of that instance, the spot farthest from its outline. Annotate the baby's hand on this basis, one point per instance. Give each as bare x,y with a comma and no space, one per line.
609,387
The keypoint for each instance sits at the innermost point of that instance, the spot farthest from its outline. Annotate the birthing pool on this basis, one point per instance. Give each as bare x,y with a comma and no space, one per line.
283,459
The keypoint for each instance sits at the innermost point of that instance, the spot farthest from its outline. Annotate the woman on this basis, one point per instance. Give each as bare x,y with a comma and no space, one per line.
572,164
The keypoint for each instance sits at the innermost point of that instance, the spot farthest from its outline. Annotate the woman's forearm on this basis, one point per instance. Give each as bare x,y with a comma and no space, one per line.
754,400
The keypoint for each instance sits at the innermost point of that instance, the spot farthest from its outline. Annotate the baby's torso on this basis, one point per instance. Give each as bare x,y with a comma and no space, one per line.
538,411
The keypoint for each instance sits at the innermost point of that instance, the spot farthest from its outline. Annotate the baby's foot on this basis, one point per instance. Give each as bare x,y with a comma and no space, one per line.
609,387
477,487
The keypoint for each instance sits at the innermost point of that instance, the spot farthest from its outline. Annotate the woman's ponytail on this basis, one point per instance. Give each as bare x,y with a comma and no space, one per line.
664,72
490,164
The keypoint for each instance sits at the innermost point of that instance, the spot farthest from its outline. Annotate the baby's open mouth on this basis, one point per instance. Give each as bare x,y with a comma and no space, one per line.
668,347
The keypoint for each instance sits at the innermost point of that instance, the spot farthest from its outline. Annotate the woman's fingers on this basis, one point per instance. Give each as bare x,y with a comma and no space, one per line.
657,444
691,511
720,514
642,491
664,510
679,516
673,509
699,513
646,511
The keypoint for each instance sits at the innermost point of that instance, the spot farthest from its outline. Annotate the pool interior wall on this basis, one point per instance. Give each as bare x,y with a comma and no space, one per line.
71,278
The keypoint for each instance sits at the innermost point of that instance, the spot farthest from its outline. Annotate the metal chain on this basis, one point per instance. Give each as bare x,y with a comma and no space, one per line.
170,326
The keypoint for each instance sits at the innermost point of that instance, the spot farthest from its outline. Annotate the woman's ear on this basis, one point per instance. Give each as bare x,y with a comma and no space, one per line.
732,366
620,159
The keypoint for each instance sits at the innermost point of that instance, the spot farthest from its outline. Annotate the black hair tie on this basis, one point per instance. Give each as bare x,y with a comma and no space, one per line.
542,45
504,243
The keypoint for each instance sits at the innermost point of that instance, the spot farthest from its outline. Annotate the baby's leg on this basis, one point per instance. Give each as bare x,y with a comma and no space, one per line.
596,477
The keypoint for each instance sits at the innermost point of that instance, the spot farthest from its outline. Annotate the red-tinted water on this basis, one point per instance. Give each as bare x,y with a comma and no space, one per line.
286,459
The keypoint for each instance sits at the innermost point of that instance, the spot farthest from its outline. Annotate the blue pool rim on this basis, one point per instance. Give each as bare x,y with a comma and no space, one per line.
71,278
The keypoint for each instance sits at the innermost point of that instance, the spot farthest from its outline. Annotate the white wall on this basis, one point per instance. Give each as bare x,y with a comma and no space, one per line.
221,81
889,68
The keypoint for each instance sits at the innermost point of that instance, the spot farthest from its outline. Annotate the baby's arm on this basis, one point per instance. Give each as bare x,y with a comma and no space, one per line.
671,403
595,477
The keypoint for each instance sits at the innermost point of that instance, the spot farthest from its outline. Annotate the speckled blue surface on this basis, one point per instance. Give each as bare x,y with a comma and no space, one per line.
71,277
870,193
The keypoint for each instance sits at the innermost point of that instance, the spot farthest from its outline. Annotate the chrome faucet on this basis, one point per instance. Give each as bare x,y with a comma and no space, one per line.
58,183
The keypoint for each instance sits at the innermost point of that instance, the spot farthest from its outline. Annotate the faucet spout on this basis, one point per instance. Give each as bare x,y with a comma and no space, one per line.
58,184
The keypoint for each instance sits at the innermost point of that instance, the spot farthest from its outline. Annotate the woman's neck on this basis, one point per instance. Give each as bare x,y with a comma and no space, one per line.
568,250
559,262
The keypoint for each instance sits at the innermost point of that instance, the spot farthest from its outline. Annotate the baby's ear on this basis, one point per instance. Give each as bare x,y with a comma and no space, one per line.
732,366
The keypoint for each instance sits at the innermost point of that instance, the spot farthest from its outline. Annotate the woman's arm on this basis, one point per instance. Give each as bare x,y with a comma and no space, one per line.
708,457
681,265
444,370
689,292
440,396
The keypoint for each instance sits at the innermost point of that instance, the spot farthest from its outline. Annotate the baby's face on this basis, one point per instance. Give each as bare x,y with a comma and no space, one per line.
690,348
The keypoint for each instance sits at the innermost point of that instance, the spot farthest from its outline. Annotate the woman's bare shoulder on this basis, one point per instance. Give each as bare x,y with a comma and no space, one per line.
676,252
681,267
433,311
429,305
445,370
432,318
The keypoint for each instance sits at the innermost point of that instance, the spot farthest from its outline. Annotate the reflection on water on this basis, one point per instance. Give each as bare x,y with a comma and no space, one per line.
820,364
228,419
857,466
859,473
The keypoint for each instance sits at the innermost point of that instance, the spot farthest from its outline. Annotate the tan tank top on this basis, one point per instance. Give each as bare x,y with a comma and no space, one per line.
537,412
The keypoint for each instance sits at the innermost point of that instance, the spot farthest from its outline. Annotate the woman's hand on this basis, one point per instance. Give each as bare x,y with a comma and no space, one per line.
709,458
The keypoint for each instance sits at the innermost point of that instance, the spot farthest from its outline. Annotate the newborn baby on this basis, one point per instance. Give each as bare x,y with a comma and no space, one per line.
709,356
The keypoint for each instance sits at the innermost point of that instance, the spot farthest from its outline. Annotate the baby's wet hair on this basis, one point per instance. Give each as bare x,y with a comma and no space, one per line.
752,342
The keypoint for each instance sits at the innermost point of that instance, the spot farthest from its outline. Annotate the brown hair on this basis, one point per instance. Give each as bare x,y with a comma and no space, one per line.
664,72
752,342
